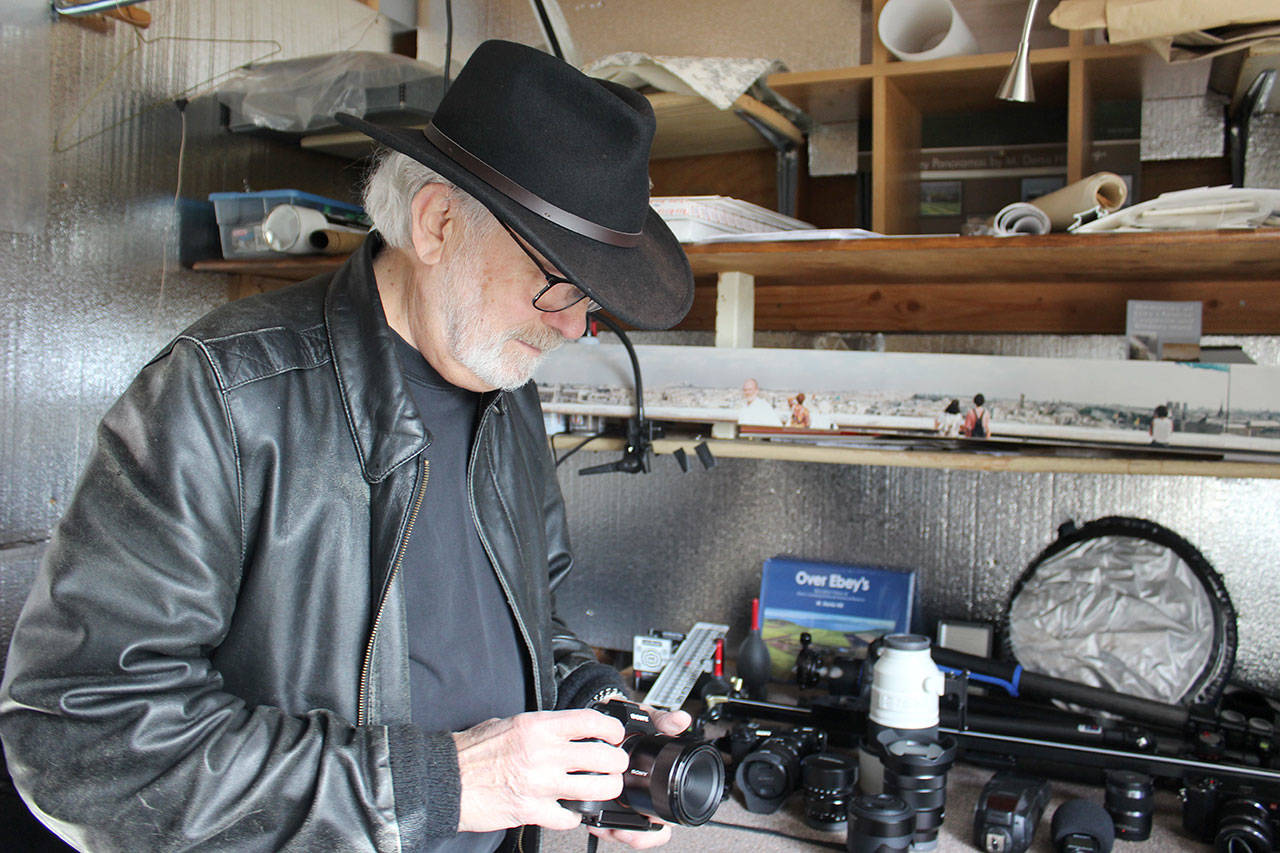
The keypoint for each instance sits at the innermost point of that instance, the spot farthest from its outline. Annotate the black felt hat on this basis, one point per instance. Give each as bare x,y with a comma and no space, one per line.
563,159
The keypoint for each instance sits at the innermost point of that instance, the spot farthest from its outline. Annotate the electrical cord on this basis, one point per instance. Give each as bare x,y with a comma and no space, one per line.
448,41
577,447
831,845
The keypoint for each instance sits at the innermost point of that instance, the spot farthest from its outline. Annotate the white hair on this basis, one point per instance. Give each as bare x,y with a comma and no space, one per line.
393,181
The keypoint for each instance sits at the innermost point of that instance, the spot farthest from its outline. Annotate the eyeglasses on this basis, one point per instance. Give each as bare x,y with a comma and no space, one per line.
560,293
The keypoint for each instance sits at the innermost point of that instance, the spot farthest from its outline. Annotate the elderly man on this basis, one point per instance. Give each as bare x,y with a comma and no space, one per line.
302,598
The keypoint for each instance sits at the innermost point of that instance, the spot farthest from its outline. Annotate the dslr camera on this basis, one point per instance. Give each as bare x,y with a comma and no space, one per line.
1231,818
677,779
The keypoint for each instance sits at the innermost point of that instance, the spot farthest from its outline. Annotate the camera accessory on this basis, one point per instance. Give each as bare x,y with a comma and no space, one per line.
1136,589
676,681
1231,820
1129,801
905,686
915,769
650,654
808,663
1082,826
674,778
1008,811
880,823
771,773
829,780
1244,827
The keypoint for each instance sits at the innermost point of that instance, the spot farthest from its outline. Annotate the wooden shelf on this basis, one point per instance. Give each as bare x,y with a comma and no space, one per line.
1055,283
952,460
686,125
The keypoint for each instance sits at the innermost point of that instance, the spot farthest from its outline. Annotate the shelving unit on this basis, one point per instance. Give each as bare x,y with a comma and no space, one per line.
898,94
1055,283
952,460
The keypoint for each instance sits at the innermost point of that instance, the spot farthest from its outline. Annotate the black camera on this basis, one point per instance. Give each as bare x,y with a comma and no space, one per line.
678,779
1229,817
769,774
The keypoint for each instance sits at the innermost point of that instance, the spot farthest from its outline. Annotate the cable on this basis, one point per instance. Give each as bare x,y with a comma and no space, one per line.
577,447
448,41
830,845
181,104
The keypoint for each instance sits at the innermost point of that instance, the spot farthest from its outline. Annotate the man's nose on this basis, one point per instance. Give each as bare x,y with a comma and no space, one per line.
571,322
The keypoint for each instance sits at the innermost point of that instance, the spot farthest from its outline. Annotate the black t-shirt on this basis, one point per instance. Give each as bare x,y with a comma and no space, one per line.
466,658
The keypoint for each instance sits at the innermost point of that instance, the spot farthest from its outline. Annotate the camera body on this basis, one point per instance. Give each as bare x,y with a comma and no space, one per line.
680,780
1233,818
772,772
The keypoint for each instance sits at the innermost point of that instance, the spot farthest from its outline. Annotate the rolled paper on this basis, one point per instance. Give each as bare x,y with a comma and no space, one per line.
1102,191
1020,218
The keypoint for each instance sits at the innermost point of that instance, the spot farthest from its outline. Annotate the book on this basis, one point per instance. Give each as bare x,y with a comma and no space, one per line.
842,607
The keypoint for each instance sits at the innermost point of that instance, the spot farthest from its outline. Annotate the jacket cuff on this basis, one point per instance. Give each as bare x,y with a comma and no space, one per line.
580,687
428,786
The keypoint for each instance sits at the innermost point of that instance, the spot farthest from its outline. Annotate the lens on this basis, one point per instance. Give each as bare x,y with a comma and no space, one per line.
1129,802
916,771
828,786
1244,828
677,780
880,824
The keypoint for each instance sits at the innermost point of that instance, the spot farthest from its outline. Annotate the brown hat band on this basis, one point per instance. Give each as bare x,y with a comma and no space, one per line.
528,200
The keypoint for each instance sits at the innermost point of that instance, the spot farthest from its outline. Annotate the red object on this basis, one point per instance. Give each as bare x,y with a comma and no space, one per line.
717,659
755,614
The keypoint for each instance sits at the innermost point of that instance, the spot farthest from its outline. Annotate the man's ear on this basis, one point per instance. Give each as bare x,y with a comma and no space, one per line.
431,220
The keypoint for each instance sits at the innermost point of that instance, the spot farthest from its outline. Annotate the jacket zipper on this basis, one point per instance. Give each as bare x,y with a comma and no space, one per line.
362,709
506,589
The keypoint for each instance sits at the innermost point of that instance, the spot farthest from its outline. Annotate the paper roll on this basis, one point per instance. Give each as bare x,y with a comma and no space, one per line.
335,241
924,29
1102,191
1020,218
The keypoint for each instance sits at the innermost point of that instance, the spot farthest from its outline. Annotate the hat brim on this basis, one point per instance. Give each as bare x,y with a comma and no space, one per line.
649,286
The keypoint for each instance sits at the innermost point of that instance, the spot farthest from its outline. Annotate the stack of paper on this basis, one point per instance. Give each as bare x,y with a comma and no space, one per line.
1205,208
697,217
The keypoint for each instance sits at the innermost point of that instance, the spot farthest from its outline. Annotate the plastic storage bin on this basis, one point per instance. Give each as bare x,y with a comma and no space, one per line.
240,217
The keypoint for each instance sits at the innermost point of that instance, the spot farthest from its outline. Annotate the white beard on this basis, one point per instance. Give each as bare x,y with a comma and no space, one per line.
477,346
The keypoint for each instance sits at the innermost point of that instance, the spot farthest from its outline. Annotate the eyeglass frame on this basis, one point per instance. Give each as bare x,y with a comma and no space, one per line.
552,279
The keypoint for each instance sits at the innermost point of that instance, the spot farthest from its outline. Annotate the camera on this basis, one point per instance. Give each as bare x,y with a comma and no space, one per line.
1230,818
678,779
770,774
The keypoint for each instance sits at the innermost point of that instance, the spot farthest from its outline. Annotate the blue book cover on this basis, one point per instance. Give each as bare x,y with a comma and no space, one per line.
842,607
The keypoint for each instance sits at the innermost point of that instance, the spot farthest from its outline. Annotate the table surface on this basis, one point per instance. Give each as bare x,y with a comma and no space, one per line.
963,786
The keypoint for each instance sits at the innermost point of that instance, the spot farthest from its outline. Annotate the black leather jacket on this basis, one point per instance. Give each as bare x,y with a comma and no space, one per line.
213,655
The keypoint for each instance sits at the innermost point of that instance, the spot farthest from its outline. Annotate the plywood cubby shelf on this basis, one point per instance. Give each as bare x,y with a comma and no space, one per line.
897,95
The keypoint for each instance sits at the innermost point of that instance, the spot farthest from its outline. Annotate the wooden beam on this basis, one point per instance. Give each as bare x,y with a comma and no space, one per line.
1098,307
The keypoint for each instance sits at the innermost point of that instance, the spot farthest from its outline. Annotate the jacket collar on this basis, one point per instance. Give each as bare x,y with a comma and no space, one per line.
383,420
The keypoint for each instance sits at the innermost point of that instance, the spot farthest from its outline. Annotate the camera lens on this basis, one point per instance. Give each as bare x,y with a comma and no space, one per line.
916,771
880,823
828,785
1244,827
1129,802
677,780
769,775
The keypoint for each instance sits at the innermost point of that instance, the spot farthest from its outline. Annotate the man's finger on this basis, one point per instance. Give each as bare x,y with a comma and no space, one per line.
594,757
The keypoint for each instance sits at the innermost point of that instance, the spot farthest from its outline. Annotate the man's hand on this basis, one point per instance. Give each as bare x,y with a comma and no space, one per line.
669,723
515,770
